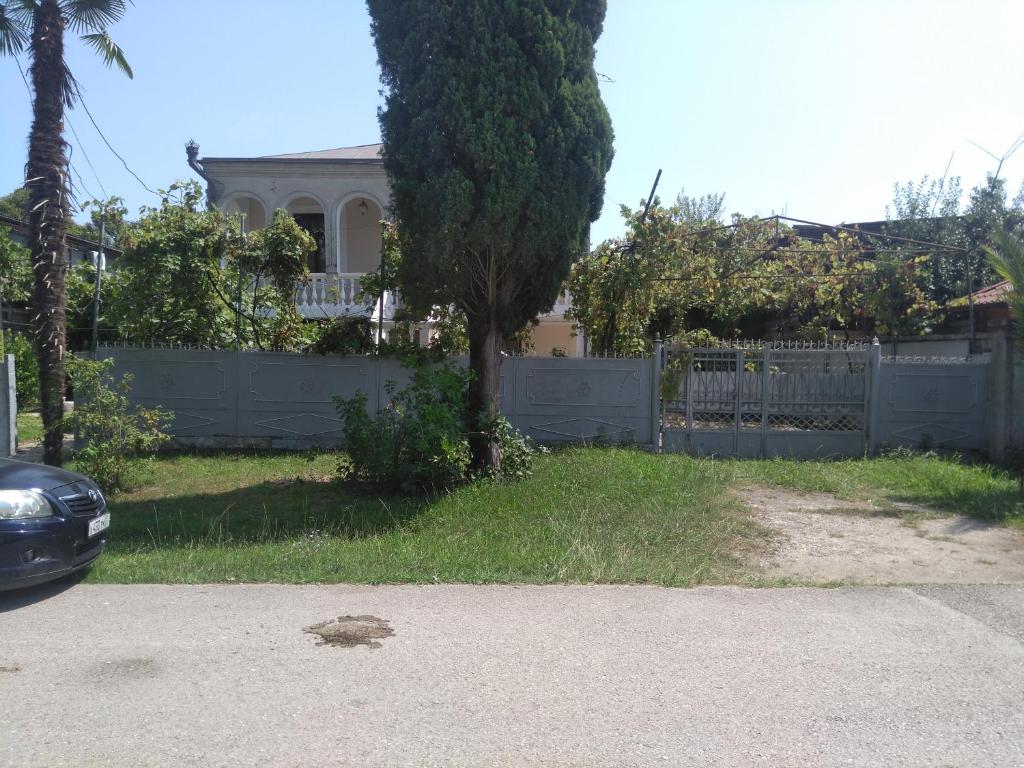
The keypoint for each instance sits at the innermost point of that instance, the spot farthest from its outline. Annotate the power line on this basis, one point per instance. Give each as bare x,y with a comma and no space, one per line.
81,181
82,147
74,170
81,100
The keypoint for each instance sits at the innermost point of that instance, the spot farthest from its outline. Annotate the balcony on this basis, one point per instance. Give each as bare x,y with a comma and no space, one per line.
323,296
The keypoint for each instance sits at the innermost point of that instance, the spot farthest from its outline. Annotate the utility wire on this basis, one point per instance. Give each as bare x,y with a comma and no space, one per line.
82,147
81,99
81,181
74,170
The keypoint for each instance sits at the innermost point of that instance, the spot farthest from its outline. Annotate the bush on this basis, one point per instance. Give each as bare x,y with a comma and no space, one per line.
419,441
26,369
113,430
343,336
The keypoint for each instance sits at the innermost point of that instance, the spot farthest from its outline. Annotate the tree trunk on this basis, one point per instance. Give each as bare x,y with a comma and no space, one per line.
47,181
482,401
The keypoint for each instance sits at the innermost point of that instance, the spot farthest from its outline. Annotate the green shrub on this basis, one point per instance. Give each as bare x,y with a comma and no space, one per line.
114,432
343,336
26,369
419,440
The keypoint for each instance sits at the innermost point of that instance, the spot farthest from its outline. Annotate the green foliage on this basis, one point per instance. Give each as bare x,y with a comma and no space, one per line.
15,270
26,369
1006,255
183,266
680,272
418,441
113,430
15,204
343,336
170,283
496,145
931,211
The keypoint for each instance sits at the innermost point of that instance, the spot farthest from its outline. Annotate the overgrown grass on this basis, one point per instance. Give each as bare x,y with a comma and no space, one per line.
30,427
946,484
584,516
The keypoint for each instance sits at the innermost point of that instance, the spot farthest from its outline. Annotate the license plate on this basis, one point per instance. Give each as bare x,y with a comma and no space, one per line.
99,525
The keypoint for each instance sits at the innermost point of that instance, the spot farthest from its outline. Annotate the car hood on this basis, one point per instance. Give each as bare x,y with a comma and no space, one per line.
20,475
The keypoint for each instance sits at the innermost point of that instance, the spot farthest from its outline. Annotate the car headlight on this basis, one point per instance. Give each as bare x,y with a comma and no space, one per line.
22,505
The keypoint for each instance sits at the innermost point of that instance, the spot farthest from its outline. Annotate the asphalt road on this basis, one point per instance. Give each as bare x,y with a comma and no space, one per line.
513,676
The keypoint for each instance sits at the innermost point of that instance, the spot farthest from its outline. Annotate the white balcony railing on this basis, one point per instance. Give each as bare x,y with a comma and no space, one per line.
322,295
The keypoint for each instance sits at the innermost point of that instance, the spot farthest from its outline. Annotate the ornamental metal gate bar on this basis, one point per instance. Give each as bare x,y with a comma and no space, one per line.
768,400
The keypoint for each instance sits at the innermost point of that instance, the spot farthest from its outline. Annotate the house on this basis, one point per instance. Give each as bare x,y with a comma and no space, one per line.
340,197
79,250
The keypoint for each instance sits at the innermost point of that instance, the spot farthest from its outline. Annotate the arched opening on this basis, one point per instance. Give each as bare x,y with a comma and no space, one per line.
362,228
309,215
252,208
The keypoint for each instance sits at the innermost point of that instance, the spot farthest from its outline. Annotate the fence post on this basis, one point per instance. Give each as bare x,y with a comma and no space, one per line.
1000,399
656,365
765,388
689,359
873,398
8,407
739,402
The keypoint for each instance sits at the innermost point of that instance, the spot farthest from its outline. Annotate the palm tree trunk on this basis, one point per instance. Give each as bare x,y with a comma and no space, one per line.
48,208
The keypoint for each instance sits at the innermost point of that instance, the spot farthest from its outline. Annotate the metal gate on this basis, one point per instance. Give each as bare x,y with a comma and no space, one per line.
765,400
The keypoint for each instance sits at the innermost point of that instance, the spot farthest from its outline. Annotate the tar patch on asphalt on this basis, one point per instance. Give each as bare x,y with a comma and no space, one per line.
350,631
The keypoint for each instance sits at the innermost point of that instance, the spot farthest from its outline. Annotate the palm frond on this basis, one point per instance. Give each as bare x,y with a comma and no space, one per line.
93,15
13,30
108,50
1006,255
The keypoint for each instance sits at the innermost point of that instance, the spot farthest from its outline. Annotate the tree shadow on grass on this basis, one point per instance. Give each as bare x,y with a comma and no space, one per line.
997,505
273,511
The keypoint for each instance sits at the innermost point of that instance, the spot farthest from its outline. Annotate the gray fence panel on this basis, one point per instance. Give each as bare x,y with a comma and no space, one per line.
291,398
571,399
198,386
933,405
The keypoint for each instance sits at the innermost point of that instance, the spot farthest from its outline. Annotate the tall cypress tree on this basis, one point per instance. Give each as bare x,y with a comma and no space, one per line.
496,144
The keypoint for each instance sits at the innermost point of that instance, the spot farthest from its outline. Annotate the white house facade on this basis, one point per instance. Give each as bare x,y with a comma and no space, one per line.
340,196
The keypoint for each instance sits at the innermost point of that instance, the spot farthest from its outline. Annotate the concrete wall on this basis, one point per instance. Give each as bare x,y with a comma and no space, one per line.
283,400
8,408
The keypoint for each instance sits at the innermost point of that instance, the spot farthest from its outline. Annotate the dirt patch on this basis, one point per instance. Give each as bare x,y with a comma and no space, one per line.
349,631
820,537
9,669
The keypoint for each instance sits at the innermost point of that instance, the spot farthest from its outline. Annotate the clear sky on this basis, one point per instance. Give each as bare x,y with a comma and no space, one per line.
808,107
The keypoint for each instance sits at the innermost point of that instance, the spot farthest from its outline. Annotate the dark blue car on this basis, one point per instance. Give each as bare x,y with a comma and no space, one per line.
52,523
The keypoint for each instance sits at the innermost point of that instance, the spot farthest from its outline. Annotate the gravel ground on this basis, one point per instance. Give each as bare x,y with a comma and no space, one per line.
223,675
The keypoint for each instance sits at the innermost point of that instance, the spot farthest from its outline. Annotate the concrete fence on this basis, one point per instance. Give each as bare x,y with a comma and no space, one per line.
283,400
805,403
8,407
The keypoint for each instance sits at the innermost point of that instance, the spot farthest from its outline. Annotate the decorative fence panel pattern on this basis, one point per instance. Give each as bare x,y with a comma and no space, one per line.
930,403
286,400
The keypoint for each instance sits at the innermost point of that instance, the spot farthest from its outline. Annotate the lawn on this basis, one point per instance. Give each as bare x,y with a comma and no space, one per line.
586,515
30,427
